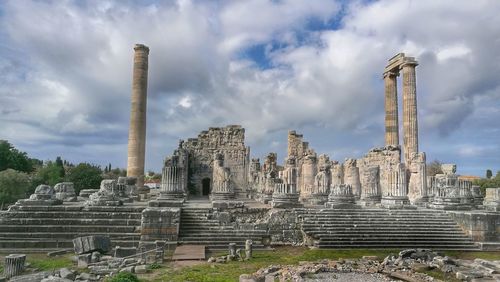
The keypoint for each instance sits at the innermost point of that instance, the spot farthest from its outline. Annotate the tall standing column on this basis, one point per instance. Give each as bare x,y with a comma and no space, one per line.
391,109
410,124
137,130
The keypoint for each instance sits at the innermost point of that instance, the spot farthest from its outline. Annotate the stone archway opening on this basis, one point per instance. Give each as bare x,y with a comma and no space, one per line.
205,184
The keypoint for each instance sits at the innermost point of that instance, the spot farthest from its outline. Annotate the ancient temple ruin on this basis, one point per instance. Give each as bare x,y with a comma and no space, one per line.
213,192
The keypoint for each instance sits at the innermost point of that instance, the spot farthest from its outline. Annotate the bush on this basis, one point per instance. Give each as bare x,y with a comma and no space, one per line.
10,157
123,277
13,186
85,176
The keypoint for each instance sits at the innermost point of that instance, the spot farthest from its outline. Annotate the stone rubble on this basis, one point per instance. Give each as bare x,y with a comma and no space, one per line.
406,266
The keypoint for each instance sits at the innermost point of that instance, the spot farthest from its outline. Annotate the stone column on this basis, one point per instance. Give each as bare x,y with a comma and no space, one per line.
137,130
351,177
410,124
391,109
14,265
396,194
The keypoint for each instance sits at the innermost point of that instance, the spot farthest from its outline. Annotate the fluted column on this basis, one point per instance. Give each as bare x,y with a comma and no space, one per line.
410,123
137,130
391,109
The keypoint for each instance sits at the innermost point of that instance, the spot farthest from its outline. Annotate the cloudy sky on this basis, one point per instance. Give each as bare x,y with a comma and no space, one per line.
314,66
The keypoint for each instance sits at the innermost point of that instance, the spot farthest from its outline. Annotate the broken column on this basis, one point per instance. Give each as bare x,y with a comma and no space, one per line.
396,194
370,183
221,177
410,123
285,192
137,130
14,265
341,197
321,182
417,186
171,189
351,177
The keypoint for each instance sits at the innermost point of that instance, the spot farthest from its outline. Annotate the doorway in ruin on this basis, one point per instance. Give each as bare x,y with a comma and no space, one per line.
205,184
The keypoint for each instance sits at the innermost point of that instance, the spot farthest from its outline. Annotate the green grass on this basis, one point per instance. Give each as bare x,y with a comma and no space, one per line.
290,255
42,262
438,274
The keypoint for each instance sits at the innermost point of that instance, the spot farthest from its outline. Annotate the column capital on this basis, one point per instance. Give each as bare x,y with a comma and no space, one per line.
141,47
391,73
408,61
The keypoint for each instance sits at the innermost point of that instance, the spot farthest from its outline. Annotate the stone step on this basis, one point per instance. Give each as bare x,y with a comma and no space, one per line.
392,223
79,214
350,234
67,228
393,239
70,221
63,208
384,227
54,244
220,229
440,246
219,239
64,235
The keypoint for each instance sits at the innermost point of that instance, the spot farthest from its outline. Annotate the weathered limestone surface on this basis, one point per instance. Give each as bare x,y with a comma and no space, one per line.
322,182
160,224
309,170
14,265
222,186
370,183
137,129
391,109
450,192
351,177
65,192
410,123
172,183
108,195
417,187
341,197
44,195
90,244
285,193
397,193
228,141
492,199
337,173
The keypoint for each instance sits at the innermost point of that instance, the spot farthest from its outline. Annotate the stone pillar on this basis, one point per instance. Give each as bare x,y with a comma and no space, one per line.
340,197
351,177
14,265
391,109
137,130
417,186
410,124
396,194
309,170
171,189
370,183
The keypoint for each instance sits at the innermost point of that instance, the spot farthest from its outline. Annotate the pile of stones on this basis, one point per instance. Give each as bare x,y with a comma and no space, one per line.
406,266
234,253
92,253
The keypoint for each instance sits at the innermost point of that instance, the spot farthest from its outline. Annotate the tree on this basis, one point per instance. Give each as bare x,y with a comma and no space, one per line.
51,174
434,168
60,164
85,176
12,158
489,173
13,186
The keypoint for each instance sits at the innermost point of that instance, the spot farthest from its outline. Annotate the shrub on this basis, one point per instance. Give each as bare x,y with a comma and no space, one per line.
123,277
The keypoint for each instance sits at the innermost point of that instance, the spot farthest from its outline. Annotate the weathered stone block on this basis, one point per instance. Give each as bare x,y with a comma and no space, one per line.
121,252
160,224
89,244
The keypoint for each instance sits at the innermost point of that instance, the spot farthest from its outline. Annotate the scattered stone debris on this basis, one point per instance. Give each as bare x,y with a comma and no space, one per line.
405,266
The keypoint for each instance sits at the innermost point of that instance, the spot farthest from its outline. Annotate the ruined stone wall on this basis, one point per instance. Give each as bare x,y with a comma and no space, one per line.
382,157
228,141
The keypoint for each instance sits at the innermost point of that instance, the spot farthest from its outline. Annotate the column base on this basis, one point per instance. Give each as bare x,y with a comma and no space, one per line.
394,202
286,201
318,199
370,200
221,196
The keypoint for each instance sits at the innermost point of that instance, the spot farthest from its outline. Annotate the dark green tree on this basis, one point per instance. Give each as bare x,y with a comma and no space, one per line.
13,186
434,168
489,173
51,174
12,158
85,176
60,164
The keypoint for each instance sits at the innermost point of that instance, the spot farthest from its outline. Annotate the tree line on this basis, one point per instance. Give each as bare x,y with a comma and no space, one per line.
20,174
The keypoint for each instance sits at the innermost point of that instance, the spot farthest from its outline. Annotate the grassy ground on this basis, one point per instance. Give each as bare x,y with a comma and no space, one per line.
41,262
202,271
286,255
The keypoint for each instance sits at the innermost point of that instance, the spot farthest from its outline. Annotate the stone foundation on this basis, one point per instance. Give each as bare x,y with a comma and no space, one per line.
160,224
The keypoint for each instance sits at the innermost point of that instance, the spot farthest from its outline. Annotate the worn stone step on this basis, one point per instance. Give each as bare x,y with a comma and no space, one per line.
393,239
63,208
397,246
54,244
67,228
70,221
79,214
394,223
322,233
64,235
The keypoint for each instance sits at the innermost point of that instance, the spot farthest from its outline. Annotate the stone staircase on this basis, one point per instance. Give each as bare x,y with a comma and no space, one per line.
43,228
198,228
381,228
